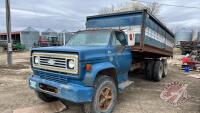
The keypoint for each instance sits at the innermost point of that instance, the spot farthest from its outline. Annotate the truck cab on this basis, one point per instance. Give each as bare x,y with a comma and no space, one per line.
91,69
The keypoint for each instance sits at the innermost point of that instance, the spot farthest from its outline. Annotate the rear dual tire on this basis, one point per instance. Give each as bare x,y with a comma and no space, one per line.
165,68
149,70
156,70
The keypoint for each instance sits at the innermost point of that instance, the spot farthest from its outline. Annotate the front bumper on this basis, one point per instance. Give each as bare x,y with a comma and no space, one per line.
69,91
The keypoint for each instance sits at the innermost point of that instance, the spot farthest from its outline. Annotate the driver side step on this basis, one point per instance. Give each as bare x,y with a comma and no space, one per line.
122,86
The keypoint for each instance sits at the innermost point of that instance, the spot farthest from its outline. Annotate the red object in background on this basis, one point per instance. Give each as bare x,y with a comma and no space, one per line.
42,42
185,60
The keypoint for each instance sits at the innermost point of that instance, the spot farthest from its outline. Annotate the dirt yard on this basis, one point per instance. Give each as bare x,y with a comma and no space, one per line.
142,97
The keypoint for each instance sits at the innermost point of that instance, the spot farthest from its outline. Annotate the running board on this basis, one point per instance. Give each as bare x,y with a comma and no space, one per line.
122,86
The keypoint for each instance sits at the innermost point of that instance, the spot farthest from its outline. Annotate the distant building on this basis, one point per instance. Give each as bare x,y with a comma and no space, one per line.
49,33
198,38
65,36
50,37
28,37
183,35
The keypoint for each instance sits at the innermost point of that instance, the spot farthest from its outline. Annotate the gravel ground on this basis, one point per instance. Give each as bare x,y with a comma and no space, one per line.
142,97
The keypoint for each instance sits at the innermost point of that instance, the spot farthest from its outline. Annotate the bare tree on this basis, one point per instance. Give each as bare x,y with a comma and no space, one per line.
153,8
106,10
195,30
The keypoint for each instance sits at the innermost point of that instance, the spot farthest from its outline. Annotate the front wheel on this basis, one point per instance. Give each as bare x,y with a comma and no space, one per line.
45,97
104,98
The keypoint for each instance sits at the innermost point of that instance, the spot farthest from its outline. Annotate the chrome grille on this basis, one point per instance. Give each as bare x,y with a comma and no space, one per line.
58,62
55,62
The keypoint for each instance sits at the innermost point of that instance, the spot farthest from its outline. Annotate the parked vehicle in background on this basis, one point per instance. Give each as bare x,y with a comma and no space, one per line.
188,46
93,67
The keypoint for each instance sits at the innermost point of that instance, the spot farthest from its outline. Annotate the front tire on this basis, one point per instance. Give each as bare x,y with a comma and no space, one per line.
45,97
104,98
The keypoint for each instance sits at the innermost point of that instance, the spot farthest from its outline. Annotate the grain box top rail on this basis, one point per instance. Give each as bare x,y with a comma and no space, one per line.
134,12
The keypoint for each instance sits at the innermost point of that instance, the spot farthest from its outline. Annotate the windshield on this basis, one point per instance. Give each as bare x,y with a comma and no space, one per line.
90,38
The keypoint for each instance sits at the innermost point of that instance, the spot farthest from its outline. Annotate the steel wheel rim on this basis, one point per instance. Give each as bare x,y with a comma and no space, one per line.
105,98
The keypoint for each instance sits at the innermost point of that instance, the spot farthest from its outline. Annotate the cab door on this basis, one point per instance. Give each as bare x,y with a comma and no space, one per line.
123,58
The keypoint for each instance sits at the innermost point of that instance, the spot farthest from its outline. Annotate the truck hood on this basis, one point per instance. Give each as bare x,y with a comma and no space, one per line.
86,53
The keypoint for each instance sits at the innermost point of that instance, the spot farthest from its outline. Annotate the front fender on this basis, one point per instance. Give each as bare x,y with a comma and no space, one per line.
91,76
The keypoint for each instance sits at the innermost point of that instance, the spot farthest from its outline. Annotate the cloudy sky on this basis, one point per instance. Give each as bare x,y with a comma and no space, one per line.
70,14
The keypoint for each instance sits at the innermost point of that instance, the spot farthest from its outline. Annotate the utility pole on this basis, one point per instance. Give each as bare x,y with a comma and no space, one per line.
8,28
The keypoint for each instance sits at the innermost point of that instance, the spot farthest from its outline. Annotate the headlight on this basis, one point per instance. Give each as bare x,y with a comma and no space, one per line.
71,63
36,59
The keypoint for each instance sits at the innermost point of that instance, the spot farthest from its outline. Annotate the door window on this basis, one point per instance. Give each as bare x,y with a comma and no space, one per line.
118,39
115,42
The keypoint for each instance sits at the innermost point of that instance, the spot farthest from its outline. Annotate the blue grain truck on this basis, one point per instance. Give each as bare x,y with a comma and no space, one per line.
93,67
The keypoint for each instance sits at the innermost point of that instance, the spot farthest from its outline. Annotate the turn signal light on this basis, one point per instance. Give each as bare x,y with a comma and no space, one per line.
88,67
